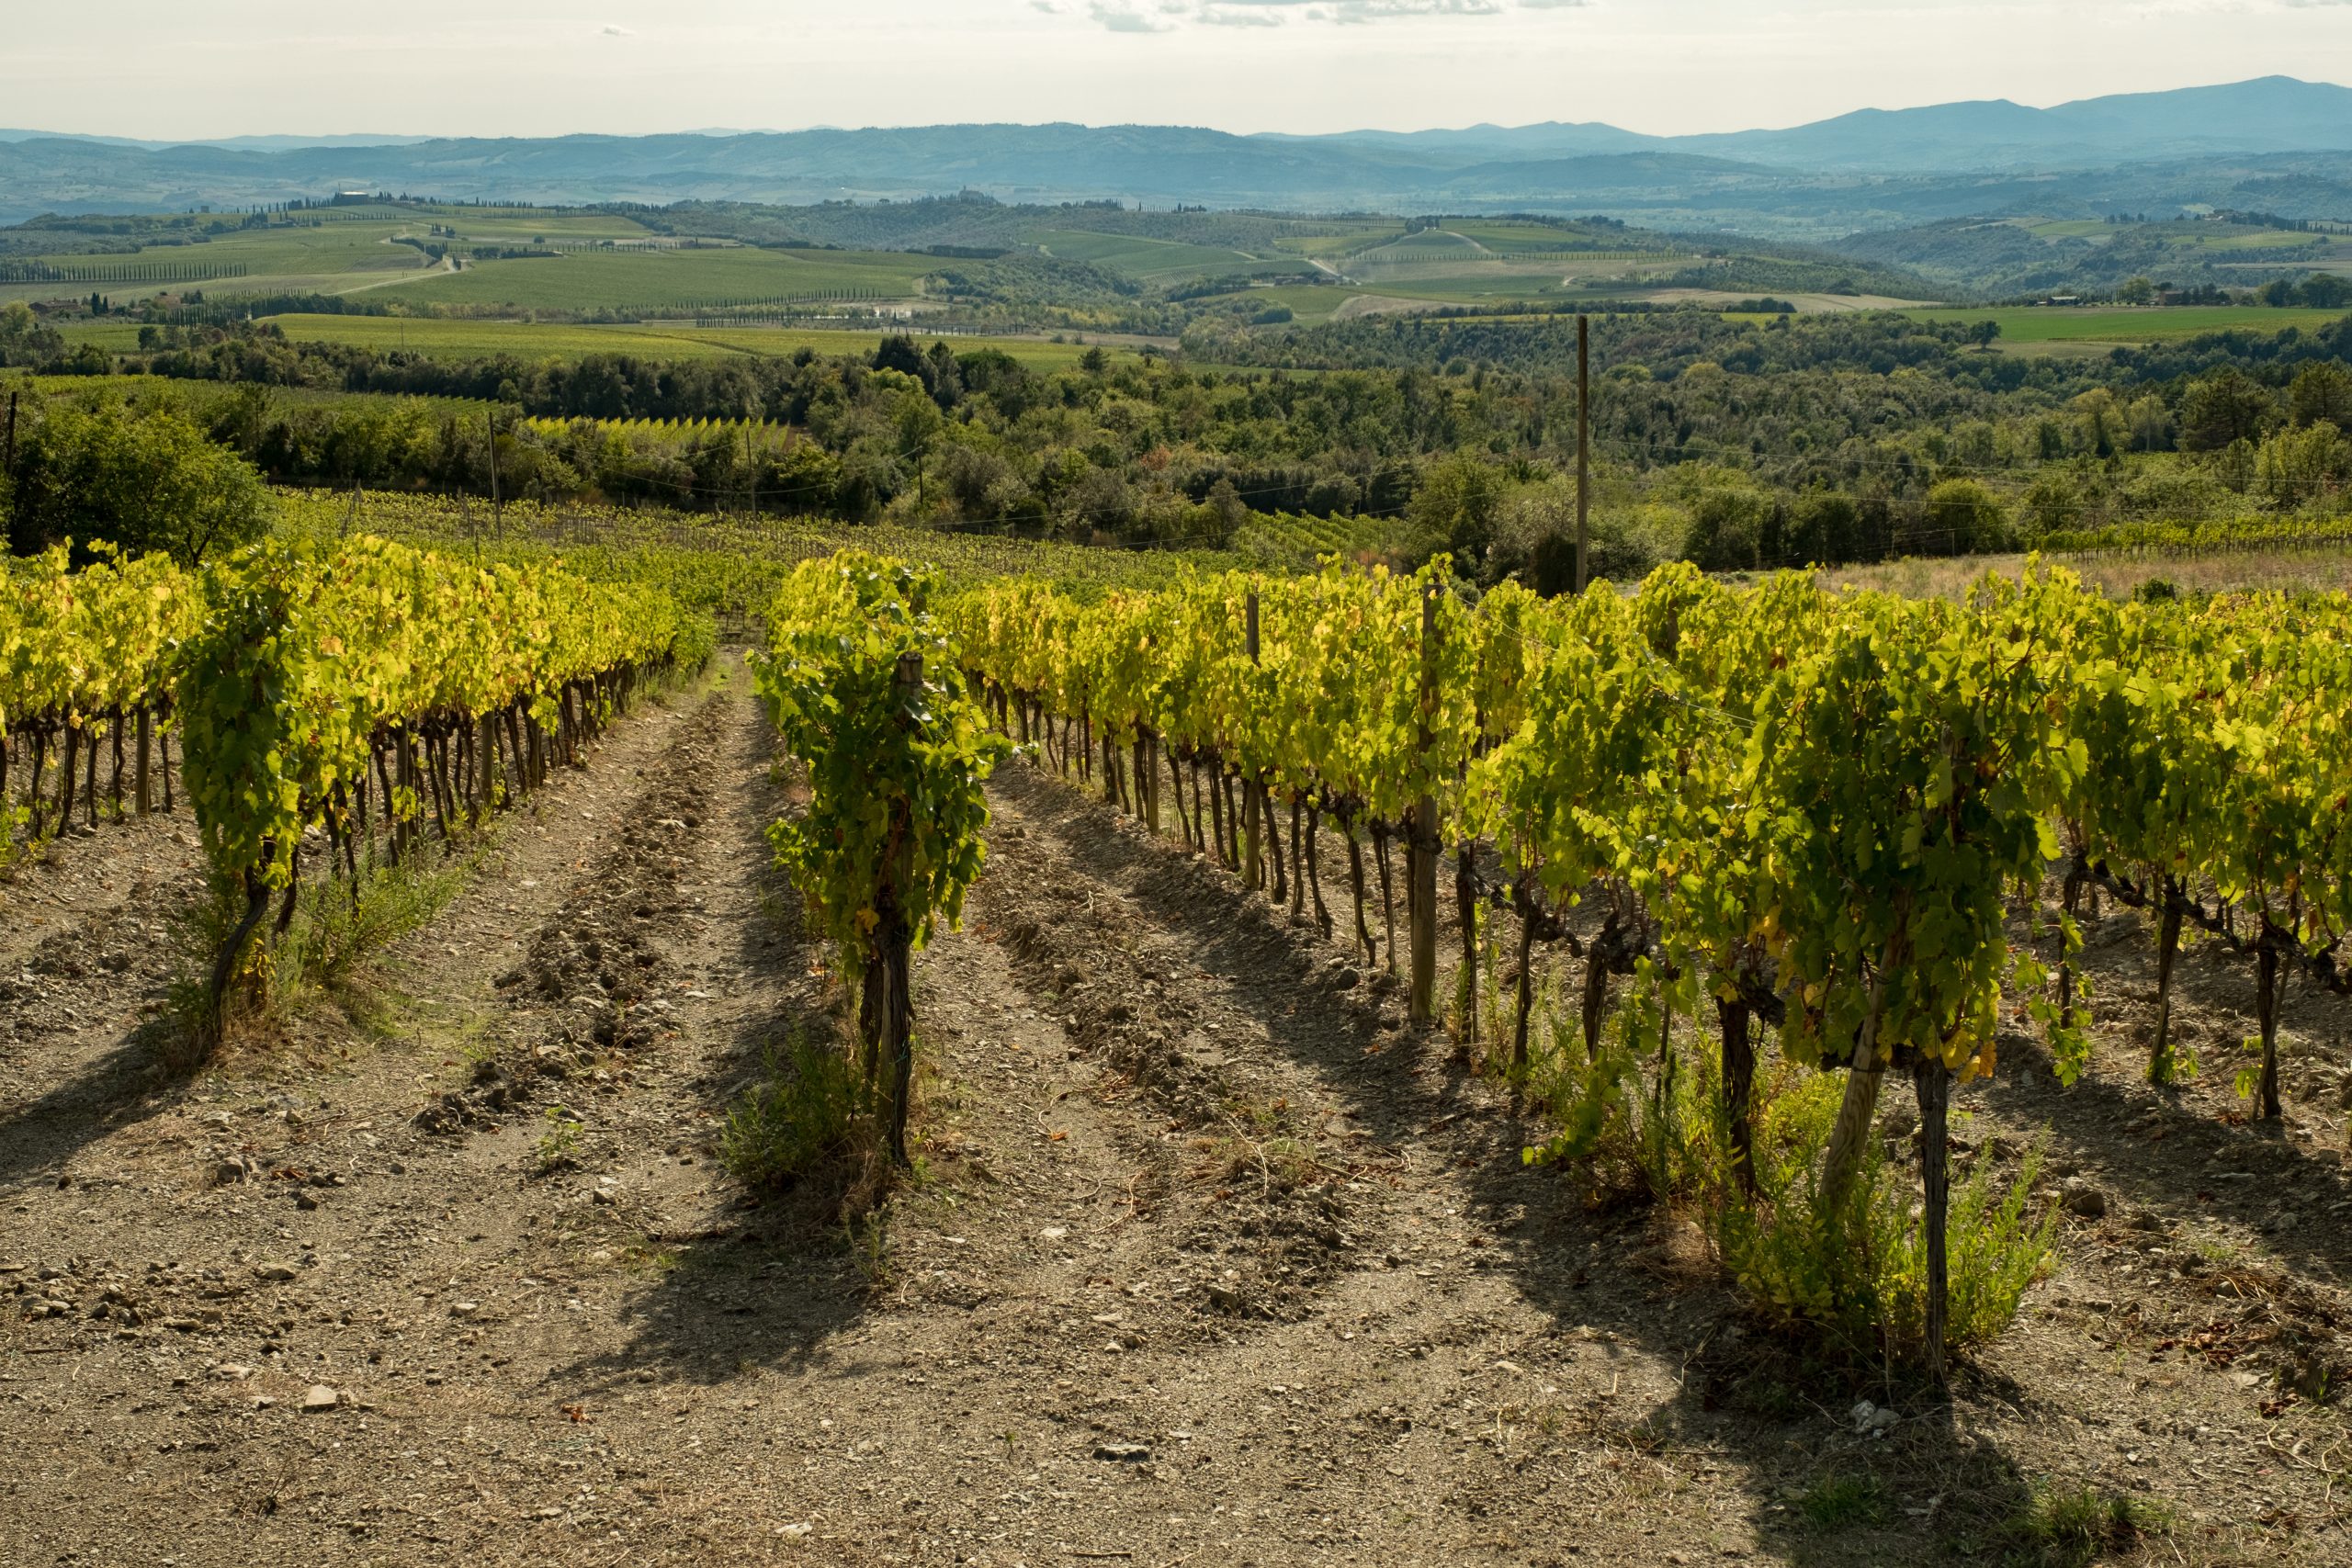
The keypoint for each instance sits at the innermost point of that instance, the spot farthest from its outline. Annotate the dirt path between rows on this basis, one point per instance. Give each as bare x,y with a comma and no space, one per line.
1209,1261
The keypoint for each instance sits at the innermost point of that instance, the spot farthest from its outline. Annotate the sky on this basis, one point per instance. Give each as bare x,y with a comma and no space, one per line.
164,69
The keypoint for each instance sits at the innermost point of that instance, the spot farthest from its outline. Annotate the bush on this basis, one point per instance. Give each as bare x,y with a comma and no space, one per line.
1964,518
2297,466
1859,1276
1727,529
1827,530
320,955
2175,493
144,480
1456,504
1641,1117
1646,1123
807,1111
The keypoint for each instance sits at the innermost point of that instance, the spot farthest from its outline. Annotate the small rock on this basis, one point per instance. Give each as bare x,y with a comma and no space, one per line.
320,1397
464,1309
233,1371
228,1173
279,1271
1871,1419
1345,979
304,1200
1122,1453
2079,1197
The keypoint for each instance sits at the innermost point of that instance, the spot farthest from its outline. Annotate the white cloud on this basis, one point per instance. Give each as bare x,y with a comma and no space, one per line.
1121,17
618,32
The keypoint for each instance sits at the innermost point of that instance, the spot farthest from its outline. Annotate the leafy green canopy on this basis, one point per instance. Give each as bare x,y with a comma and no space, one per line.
307,658
860,682
146,479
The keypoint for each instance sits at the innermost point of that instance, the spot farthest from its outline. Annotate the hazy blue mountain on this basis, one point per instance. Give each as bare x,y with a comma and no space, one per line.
245,143
2273,114
2274,143
1553,139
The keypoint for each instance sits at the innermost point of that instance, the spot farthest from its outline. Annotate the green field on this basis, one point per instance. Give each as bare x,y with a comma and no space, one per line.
648,280
462,339
2032,327
355,249
1338,238
199,398
1139,257
331,258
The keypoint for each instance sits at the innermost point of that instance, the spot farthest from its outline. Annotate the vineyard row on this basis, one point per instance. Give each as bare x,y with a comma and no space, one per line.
1789,807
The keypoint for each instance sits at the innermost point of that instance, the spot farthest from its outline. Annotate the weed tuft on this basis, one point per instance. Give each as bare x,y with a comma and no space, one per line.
333,927
2073,1526
1857,1275
1856,1500
559,1145
806,1112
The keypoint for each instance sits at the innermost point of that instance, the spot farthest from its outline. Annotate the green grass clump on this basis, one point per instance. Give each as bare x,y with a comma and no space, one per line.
808,1110
320,955
1851,1500
1858,1275
2073,1526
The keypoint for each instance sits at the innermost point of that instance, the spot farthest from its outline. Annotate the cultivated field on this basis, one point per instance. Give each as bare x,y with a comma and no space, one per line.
463,338
1334,1318
590,262
2041,328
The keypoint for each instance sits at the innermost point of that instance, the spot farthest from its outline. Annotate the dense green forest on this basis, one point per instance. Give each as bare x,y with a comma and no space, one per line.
1732,441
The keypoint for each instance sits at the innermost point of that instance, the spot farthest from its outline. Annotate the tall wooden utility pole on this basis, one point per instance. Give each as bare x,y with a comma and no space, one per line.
1584,438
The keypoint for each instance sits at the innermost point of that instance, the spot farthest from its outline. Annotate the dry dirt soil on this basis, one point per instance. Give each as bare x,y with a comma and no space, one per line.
1212,1259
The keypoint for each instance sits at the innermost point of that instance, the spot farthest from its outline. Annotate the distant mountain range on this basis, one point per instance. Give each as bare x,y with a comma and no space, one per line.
2219,145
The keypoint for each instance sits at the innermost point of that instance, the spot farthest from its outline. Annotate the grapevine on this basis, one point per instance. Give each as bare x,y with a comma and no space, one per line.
858,680
373,684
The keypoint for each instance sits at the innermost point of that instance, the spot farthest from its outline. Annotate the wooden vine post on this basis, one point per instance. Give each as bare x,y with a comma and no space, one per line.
888,1010
1421,841
141,796
1250,806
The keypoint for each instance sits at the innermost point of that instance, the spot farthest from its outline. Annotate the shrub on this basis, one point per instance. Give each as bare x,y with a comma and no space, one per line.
807,1111
2297,466
146,480
1727,530
1638,1111
1859,1275
333,927
1964,518
1827,531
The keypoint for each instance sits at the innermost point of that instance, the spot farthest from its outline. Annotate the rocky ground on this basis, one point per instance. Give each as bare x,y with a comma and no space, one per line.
1211,1261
